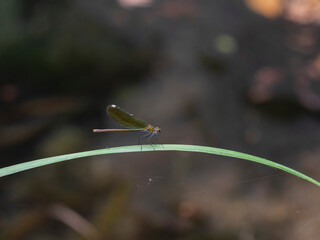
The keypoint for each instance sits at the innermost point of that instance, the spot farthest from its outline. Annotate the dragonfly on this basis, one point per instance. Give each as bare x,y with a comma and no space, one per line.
130,122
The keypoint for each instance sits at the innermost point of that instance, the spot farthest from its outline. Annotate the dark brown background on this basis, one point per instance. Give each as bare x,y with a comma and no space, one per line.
241,75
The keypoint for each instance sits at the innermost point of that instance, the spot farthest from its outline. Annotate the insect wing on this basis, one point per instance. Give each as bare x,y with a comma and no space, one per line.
124,118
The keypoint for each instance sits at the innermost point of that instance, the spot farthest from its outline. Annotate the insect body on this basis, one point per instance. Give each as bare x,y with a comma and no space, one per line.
129,121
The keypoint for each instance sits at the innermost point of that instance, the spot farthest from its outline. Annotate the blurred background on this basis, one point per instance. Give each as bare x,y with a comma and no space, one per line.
242,75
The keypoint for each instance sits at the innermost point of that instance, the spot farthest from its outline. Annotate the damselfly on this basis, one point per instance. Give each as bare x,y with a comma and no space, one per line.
129,121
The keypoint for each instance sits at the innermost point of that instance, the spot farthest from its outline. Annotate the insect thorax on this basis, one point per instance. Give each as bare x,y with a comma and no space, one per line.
153,129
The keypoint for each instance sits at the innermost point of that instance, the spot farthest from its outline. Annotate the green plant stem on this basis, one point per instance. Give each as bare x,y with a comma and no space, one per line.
146,148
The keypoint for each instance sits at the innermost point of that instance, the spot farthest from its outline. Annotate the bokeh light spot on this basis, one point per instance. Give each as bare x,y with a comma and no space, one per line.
135,3
266,8
225,44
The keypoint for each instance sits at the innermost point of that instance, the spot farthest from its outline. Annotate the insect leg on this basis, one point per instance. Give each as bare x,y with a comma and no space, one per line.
142,136
149,139
156,140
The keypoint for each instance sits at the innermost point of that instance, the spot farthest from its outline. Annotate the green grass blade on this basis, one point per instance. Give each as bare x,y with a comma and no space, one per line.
145,148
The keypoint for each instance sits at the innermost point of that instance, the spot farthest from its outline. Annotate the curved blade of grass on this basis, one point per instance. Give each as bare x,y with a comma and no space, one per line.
146,148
